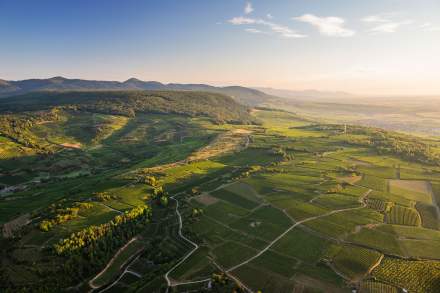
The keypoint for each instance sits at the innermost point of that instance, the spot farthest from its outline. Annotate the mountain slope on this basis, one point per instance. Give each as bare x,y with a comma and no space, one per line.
243,95
216,106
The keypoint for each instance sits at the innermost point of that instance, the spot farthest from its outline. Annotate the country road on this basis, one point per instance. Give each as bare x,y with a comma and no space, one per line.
196,246
229,271
295,225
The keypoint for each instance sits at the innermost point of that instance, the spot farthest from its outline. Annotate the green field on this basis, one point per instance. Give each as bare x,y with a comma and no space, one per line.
403,216
416,276
355,262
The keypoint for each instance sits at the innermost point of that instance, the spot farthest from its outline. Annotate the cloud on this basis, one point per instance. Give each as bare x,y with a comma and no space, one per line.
275,28
375,18
241,20
429,27
248,8
269,16
389,27
384,23
329,26
254,31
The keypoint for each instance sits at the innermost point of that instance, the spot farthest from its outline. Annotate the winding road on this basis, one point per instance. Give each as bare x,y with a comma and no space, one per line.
294,226
195,245
228,271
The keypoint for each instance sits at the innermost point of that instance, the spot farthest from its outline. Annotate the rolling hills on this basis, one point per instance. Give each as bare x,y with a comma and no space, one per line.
243,95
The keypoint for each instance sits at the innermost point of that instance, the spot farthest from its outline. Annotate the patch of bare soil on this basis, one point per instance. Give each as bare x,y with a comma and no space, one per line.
10,227
350,179
206,199
71,145
224,143
419,186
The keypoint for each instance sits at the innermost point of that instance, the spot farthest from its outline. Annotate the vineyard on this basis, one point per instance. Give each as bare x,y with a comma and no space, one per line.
403,216
354,262
415,276
374,182
376,287
429,216
378,205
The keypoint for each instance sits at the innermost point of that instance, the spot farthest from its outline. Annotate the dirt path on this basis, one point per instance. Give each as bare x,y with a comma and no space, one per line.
170,282
91,282
109,207
375,265
291,228
126,271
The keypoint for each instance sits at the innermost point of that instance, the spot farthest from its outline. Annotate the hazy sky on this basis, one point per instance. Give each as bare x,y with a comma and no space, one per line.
359,46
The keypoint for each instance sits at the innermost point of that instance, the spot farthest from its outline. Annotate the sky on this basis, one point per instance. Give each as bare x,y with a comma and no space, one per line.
374,47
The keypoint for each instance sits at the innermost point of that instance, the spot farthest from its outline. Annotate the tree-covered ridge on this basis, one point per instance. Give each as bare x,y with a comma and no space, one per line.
408,147
244,95
218,107
128,223
16,126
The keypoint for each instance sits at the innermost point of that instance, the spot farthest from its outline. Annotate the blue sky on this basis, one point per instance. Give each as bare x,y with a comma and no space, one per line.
371,47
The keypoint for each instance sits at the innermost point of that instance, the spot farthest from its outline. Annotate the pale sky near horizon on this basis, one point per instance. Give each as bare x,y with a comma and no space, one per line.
376,47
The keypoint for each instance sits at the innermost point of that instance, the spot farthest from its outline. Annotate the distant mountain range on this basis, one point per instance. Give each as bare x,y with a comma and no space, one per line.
244,95
306,94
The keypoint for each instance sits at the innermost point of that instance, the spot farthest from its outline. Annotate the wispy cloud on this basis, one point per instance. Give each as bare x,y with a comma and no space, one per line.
254,31
275,28
239,20
329,26
269,16
248,9
384,23
429,27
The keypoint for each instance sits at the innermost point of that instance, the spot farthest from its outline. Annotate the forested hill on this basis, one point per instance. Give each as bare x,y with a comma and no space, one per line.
243,95
219,107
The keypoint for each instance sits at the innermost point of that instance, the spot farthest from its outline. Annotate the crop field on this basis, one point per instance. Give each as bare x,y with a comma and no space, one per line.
384,242
265,222
415,276
391,198
376,287
259,279
302,245
234,198
412,190
373,182
230,254
378,205
429,215
337,201
403,216
356,262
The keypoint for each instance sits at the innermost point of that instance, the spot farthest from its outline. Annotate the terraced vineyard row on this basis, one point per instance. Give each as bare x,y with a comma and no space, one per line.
354,262
429,216
403,216
377,287
377,204
415,276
